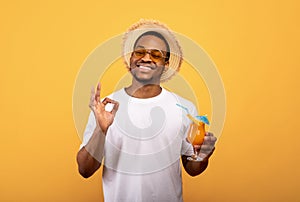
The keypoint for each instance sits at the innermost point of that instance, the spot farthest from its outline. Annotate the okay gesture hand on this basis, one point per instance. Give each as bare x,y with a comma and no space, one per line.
103,118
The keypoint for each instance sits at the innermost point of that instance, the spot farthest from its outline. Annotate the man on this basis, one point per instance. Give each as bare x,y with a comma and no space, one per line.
140,130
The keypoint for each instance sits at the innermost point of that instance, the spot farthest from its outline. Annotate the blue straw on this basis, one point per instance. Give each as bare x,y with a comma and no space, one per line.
200,118
186,109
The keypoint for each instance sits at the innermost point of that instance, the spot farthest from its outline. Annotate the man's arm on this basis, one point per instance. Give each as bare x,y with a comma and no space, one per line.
195,168
90,156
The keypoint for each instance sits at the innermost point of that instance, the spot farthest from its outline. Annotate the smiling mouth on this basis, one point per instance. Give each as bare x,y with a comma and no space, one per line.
144,67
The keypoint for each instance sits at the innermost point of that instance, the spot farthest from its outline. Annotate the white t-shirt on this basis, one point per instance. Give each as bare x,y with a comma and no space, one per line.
143,147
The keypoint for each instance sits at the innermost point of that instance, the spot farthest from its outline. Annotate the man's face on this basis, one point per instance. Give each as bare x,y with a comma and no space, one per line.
148,68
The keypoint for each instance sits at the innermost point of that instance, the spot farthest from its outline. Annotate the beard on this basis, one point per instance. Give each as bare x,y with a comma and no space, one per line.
145,79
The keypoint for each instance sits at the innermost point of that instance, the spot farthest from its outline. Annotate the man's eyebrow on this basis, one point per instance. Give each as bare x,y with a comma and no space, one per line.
139,46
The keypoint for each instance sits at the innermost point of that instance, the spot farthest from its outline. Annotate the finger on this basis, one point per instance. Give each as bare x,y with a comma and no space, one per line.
97,96
92,92
115,109
91,106
206,149
209,134
108,100
209,140
213,139
114,105
92,98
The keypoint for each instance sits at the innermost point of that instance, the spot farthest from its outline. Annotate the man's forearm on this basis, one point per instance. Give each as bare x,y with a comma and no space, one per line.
90,156
95,146
194,168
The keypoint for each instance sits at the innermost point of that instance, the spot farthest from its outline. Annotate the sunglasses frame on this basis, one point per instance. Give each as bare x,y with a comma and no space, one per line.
150,52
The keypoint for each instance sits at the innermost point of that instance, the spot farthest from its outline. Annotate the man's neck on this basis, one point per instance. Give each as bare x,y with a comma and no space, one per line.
143,91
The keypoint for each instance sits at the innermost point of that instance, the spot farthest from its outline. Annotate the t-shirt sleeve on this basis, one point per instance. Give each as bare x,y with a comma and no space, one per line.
89,129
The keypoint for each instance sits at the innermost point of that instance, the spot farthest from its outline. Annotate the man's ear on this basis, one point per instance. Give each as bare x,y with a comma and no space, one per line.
166,65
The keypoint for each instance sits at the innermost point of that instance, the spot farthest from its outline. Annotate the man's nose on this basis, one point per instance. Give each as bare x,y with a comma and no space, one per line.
147,57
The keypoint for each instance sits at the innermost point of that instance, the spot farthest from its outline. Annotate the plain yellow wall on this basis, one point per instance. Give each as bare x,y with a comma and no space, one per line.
255,45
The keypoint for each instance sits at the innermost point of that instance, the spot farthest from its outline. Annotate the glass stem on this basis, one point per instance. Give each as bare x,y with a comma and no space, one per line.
195,153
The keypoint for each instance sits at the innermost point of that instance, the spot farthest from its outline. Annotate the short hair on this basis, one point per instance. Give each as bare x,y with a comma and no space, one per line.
154,33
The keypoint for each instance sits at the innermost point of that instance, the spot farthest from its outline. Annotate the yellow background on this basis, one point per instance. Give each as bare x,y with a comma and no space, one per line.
254,44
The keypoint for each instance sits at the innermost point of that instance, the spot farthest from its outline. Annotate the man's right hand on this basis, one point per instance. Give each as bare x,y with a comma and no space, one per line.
103,118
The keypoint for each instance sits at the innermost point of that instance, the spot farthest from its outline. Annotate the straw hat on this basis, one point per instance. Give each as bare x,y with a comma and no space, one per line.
143,26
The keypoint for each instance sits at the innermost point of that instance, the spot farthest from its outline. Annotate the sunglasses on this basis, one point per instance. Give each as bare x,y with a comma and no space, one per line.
155,54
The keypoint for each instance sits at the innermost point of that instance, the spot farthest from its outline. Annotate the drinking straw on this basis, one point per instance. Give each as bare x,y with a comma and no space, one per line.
196,120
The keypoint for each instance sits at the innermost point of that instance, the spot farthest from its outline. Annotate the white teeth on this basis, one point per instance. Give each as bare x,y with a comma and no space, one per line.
144,67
